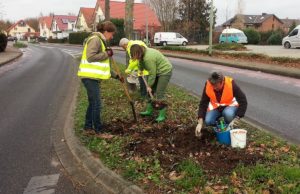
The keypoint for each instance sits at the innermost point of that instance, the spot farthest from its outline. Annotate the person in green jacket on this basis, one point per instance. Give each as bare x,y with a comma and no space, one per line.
160,72
133,63
94,67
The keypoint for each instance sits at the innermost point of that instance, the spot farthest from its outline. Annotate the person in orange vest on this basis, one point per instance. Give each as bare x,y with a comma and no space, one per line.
221,97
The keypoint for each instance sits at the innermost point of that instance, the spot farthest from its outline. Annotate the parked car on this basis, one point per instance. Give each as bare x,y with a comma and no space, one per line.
169,38
12,38
293,39
232,35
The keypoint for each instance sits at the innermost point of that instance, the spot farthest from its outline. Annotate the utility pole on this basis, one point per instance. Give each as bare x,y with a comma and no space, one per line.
146,12
107,10
129,19
211,21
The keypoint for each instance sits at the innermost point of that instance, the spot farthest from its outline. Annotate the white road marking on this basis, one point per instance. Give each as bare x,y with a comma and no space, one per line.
42,184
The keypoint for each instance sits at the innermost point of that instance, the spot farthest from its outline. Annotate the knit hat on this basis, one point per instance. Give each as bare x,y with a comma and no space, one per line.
123,41
216,77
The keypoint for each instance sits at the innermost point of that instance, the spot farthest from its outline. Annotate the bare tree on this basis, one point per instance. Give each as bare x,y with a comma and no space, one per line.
107,10
129,19
239,20
166,11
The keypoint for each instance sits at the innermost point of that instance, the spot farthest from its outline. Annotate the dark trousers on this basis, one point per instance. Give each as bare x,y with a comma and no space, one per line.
92,116
143,88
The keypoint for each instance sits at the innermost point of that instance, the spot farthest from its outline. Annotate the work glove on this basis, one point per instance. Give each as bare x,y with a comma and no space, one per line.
233,123
198,128
149,90
109,52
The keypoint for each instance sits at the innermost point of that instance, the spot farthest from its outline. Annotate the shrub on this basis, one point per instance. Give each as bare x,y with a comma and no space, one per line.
78,37
20,45
275,39
3,42
120,31
264,36
252,35
229,46
51,40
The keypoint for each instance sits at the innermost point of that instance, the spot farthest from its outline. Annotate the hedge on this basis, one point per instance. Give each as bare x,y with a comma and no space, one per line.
252,35
78,37
3,42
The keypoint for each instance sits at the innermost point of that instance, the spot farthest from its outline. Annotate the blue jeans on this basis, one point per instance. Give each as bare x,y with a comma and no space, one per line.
92,116
228,113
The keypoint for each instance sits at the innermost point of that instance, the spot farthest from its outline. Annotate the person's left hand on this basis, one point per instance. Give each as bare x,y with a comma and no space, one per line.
109,52
233,123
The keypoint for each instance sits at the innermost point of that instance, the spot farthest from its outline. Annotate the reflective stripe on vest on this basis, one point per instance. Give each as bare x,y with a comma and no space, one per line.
227,98
94,70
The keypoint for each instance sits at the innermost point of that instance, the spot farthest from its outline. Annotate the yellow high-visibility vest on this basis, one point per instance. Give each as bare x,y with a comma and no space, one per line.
94,70
133,64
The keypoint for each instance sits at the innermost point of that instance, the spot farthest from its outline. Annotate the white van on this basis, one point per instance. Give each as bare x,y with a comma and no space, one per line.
232,35
293,39
169,38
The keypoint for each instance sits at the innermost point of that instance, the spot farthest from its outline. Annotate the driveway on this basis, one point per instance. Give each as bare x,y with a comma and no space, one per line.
273,51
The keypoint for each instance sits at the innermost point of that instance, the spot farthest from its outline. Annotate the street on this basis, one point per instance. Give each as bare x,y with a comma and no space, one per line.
32,91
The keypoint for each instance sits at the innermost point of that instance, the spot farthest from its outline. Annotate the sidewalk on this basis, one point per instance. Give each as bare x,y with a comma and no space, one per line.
10,54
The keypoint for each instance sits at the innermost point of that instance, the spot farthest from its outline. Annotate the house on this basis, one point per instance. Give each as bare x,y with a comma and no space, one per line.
287,23
21,30
142,15
262,23
45,26
85,19
62,25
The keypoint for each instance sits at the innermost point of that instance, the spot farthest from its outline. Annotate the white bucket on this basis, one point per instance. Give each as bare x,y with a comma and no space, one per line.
238,138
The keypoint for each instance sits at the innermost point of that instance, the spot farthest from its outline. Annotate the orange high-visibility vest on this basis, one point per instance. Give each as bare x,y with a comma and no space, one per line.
227,98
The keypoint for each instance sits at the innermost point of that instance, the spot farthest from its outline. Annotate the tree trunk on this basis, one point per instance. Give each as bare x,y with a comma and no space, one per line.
129,19
107,10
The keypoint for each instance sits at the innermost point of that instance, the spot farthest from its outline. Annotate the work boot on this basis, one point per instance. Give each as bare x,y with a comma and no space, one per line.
162,115
149,110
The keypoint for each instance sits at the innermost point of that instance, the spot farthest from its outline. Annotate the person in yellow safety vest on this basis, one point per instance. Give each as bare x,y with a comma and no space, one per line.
221,97
133,63
94,67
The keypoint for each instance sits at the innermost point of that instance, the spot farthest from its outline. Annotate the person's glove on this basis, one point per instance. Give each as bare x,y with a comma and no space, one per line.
233,123
198,128
109,52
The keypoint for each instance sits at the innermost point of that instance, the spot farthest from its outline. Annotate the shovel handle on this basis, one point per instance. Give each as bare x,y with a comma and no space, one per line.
150,93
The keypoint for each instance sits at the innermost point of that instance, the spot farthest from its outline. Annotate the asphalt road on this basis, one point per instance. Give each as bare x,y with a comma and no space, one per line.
32,90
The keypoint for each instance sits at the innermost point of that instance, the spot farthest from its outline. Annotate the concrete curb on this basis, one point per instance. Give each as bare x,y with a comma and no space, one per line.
107,179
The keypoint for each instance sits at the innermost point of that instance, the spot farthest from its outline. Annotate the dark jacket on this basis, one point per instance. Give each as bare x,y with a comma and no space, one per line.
237,93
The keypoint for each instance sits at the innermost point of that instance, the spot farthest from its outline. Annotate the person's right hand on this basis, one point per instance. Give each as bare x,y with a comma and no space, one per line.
109,52
198,128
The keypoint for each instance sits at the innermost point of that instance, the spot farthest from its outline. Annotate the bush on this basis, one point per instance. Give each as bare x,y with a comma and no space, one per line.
229,46
265,36
275,39
252,35
20,45
120,31
3,42
51,40
78,37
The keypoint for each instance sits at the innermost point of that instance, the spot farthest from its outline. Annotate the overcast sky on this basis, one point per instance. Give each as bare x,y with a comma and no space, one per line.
15,10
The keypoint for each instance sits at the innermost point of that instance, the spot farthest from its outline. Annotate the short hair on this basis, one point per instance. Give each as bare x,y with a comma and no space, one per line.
137,51
106,26
123,41
216,77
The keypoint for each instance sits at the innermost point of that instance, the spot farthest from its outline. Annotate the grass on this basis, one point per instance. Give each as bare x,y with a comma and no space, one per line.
278,172
238,55
20,45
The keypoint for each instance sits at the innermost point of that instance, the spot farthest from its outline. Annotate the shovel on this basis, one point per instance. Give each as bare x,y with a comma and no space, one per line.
155,104
125,89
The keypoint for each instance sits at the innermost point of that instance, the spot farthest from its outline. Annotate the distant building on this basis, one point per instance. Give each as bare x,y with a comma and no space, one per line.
287,23
21,30
45,26
84,20
62,25
142,14
263,23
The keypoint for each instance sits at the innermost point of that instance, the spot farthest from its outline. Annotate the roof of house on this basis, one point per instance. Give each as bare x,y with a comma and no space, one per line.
62,21
141,12
47,20
252,19
15,24
288,22
87,14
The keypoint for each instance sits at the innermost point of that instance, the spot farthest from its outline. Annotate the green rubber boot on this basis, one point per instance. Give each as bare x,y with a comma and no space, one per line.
149,110
162,115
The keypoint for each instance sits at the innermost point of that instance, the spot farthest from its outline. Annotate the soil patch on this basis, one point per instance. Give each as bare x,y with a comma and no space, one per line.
173,142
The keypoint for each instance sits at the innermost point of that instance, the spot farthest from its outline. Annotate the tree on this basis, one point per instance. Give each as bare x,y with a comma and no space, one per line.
166,11
194,19
239,18
129,19
292,26
33,22
107,10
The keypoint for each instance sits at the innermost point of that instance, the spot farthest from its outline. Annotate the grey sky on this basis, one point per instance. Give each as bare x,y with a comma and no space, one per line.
19,9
